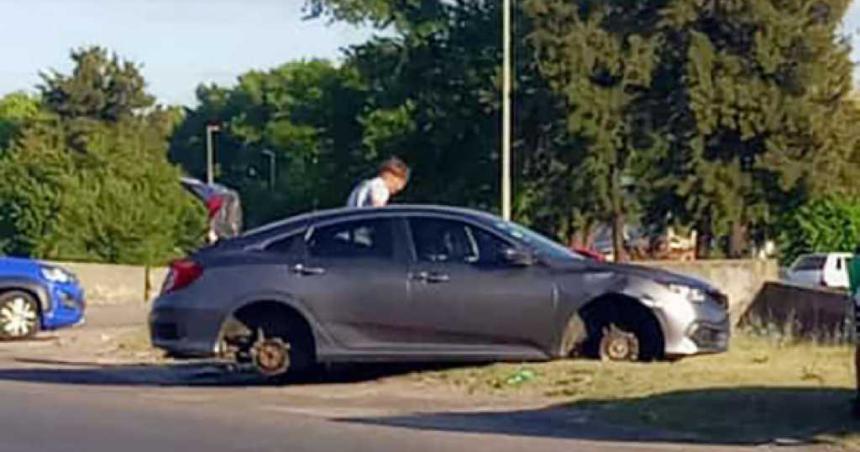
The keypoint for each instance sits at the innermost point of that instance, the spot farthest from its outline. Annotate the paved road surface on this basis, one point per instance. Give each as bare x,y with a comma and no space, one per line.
47,407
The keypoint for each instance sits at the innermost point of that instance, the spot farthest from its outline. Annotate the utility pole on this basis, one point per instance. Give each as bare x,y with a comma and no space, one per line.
210,154
506,112
272,161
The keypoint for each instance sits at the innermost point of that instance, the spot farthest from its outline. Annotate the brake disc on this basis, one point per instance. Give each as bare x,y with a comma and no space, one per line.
271,356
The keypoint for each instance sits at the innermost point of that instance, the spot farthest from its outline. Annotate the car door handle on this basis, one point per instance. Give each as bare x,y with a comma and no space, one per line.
430,277
301,269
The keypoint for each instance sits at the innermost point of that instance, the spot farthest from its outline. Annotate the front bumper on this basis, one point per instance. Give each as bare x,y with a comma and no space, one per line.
694,328
187,332
67,304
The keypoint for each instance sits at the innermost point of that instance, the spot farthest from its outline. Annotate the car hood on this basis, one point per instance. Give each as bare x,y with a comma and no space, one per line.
655,274
13,266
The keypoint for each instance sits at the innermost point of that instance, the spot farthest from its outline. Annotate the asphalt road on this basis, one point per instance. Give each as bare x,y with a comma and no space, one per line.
48,406
38,417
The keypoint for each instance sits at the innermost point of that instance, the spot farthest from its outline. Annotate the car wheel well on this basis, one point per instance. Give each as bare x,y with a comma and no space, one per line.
625,313
33,295
277,319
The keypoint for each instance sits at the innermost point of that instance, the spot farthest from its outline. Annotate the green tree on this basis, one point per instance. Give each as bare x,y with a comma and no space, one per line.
437,78
101,87
16,111
829,224
601,57
307,113
96,187
756,118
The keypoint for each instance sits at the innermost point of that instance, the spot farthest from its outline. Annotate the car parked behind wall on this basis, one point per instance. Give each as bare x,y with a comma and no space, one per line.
424,283
820,270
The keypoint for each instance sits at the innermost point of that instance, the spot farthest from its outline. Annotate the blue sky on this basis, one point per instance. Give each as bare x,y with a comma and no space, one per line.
180,43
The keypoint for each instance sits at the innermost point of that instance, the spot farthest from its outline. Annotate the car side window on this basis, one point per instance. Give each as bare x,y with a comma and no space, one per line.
289,245
441,240
353,239
492,249
438,240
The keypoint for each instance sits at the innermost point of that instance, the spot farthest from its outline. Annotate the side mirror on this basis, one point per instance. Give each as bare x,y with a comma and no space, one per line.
519,258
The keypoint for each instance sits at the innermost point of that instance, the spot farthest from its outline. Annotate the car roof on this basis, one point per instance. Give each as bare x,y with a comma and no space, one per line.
839,254
345,212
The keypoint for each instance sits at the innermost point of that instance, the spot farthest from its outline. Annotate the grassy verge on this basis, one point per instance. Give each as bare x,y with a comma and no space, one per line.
760,391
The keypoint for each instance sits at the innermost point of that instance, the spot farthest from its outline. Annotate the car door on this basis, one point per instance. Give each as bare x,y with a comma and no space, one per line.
353,280
464,294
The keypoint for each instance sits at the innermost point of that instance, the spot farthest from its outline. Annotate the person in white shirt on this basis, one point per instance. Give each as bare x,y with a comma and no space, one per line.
391,180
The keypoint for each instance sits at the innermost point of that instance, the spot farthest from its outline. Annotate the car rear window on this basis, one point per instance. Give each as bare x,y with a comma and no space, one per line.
810,263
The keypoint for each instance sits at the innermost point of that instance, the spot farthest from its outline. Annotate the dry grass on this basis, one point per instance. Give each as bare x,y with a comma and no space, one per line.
762,390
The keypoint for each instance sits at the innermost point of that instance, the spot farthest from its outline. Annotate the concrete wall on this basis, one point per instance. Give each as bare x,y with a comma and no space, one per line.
741,280
115,284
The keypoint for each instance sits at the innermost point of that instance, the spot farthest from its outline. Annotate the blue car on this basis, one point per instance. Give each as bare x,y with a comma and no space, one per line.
36,296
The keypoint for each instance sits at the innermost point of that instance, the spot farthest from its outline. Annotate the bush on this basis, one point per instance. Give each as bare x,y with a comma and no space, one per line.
823,225
95,191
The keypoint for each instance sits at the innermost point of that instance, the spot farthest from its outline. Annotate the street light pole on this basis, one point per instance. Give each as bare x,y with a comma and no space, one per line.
210,154
272,161
506,112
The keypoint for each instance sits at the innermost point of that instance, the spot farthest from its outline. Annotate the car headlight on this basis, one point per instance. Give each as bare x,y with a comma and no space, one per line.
57,275
692,294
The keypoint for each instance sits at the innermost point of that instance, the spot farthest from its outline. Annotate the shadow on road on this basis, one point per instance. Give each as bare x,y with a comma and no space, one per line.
194,373
744,416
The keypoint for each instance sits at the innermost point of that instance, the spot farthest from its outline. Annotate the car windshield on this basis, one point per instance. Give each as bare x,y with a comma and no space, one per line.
807,263
543,245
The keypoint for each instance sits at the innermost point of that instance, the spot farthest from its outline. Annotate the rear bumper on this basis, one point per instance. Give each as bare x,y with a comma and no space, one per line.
186,332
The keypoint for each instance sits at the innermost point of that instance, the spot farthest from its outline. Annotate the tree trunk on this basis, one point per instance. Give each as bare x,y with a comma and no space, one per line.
737,240
618,219
703,240
618,237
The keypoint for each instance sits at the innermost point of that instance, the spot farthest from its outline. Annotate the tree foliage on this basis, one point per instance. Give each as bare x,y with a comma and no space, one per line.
16,111
737,109
307,113
755,113
826,224
95,187
101,87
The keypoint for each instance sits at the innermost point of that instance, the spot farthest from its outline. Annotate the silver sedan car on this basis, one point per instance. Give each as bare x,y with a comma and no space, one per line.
424,283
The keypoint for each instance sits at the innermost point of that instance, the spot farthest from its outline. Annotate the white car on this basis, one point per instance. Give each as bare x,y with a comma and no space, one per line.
820,270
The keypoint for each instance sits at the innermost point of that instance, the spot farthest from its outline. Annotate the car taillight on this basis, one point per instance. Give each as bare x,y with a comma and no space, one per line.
182,273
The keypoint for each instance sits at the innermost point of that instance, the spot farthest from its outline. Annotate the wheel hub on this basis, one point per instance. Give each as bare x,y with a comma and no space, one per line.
618,349
271,356
619,345
18,317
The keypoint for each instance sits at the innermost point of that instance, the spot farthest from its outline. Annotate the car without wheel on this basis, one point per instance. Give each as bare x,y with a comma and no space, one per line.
422,284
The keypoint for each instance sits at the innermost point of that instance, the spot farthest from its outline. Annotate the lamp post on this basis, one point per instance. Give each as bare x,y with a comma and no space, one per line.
210,154
272,161
506,111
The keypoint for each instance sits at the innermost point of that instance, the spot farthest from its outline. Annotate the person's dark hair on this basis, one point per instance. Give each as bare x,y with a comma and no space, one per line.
396,167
